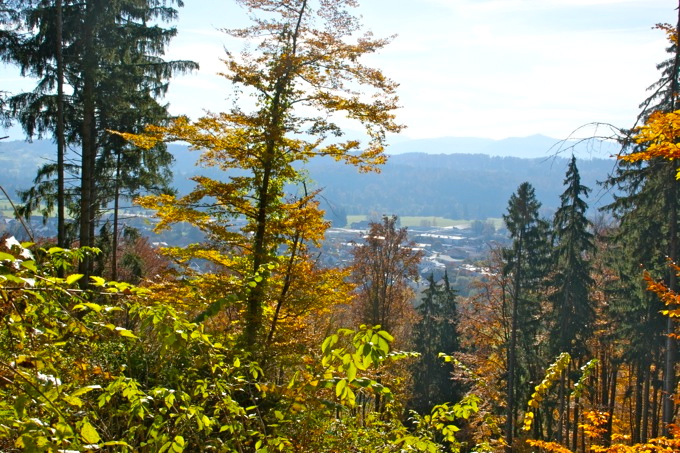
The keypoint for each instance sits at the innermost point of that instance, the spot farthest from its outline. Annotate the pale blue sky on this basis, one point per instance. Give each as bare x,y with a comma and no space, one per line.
476,68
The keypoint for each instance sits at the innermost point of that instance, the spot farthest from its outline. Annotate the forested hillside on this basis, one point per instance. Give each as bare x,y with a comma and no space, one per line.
248,337
455,186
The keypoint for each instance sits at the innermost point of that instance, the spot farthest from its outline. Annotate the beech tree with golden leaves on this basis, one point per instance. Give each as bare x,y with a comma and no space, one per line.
305,75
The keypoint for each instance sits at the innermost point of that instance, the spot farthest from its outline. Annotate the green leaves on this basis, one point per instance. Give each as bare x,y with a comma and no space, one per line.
176,445
348,354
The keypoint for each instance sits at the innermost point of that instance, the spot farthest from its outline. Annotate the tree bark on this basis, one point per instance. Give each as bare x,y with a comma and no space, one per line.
510,412
671,345
89,146
61,142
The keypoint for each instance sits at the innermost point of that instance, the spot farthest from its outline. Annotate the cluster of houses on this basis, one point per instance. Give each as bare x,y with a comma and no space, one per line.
459,251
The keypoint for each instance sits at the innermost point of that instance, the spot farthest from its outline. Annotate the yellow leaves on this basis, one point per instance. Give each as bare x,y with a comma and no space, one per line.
88,433
541,390
660,134
318,70
549,447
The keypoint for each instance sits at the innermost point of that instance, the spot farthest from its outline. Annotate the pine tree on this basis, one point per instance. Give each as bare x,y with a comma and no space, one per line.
436,332
525,264
572,311
572,315
650,205
113,71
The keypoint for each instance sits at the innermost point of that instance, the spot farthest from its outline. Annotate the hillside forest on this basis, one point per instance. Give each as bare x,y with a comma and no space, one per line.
567,342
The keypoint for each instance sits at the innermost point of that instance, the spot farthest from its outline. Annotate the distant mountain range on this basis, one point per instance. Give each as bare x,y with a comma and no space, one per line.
534,146
460,178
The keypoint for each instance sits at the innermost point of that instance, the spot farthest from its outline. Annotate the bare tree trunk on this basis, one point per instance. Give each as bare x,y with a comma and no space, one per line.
655,407
116,207
671,345
61,142
574,439
567,412
512,347
639,397
644,431
561,398
89,146
611,406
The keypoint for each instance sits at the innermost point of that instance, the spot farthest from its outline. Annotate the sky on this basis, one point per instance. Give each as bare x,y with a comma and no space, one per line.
468,68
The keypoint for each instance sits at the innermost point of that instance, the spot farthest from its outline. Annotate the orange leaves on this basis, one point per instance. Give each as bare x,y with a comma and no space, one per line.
668,297
596,425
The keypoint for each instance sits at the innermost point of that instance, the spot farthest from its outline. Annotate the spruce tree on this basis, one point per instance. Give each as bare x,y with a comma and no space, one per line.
525,265
436,332
114,73
572,311
572,315
648,216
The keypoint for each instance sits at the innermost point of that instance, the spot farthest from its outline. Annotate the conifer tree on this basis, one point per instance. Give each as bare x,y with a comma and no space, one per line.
572,315
436,332
112,68
525,265
572,311
648,216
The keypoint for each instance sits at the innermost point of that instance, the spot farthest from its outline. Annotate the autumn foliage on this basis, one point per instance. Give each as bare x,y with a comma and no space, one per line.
245,342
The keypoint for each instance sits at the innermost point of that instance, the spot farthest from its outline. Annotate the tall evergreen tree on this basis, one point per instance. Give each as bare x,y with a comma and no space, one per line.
525,264
572,311
648,216
10,29
113,69
435,332
572,315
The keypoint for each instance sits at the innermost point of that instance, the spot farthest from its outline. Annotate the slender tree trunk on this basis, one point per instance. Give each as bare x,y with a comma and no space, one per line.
567,413
655,407
670,359
603,393
671,345
549,422
61,142
89,146
277,111
639,397
574,439
116,207
610,408
644,431
512,347
561,398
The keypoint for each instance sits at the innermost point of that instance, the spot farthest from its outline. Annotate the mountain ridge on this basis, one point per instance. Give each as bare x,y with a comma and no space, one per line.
533,146
454,185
